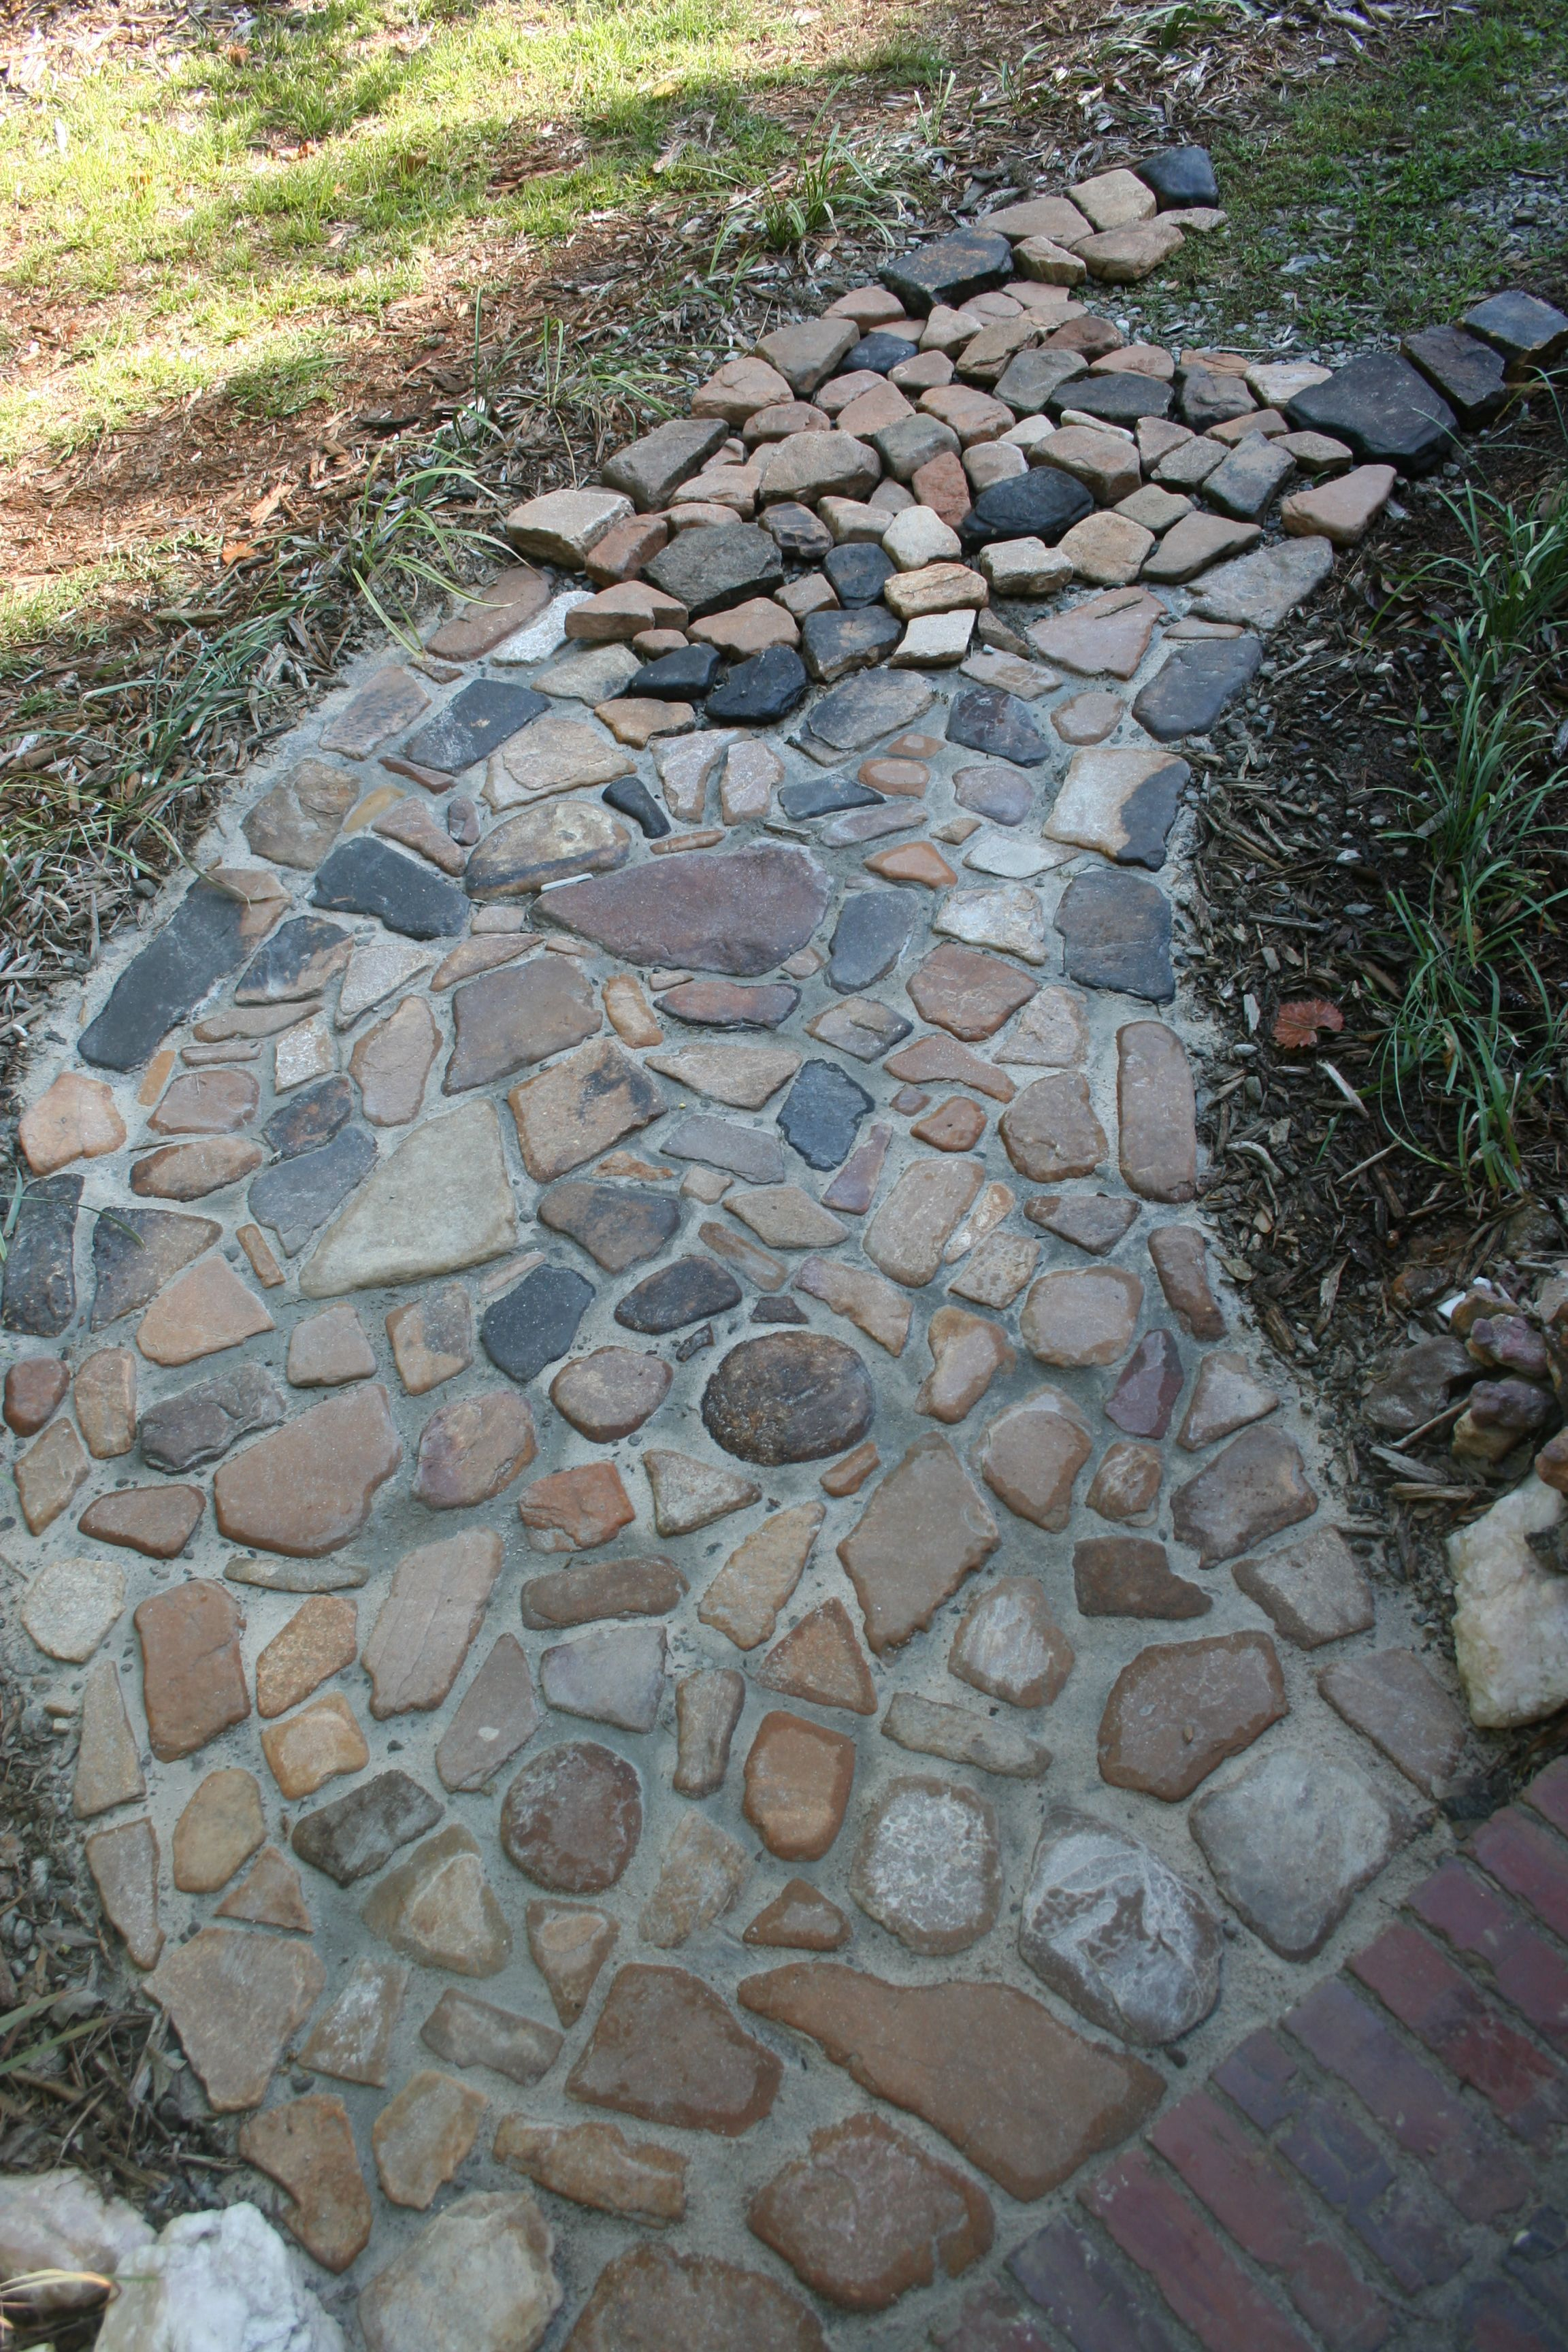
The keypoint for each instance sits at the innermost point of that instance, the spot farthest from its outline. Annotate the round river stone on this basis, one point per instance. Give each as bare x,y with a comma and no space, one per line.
573,1818
795,1397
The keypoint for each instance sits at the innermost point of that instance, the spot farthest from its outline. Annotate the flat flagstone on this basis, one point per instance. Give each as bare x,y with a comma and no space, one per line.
193,1679
1030,1454
1290,1839
123,1861
70,1605
897,2216
441,1200
924,1530
308,1488
234,2000
1255,1487
314,1746
307,2147
1180,1709
1130,1576
1394,1699
1115,1931
437,1909
107,1770
351,2038
1314,1590
667,2049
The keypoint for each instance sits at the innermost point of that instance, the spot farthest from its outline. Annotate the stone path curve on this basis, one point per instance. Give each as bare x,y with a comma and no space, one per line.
677,1585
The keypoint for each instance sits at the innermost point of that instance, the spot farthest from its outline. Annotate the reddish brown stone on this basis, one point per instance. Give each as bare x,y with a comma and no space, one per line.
573,1818
867,2216
820,1660
666,2049
967,992
193,1677
1144,1397
575,1510
471,1451
956,1125
1254,1488
1130,1576
651,2300
798,1778
308,1488
308,2148
1181,1261
569,1945
1031,1454
32,1389
105,1400
800,1918
924,1530
935,1059
1051,1132
1180,1709
1126,1484
157,1521
207,1102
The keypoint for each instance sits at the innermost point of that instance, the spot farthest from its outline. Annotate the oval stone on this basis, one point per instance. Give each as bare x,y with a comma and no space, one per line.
795,1396
555,844
573,1818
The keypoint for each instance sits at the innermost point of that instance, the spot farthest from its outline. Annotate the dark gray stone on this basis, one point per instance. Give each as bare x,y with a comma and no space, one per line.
1004,794
40,1295
1519,326
878,351
1385,409
911,443
836,643
536,1322
617,1224
821,1113
782,1309
740,912
792,1398
136,1251
651,470
1209,399
1180,177
856,714
796,532
1041,504
1467,373
310,1119
710,571
685,676
825,796
1243,483
180,1433
474,724
950,269
858,571
201,943
760,691
744,1151
356,1834
686,1292
1116,934
1118,399
366,876
986,719
295,1198
1031,379
296,963
873,930
631,797
1198,679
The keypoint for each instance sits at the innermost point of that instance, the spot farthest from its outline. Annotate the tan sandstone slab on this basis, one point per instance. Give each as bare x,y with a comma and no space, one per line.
744,1599
1181,1708
202,1310
308,1488
1082,1315
441,1201
221,1827
235,1999
436,1602
924,1530
306,1751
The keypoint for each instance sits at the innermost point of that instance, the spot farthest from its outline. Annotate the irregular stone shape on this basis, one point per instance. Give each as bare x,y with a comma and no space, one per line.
1008,917
351,2039
1197,681
611,1393
424,2135
745,1597
75,1118
1226,1396
853,1187
686,1291
666,2302
1180,1258
1031,1454
927,1727
355,1834
296,822
296,963
1463,370
1008,1645
821,1115
1121,803
437,1909
49,1475
235,1999
1422,1380
744,1076
310,1120
1081,1315
221,1827
1157,1138
1314,1590
313,1747
666,2049
724,1004
328,1349
478,2278
1093,1222
866,2216
516,1016
613,1675
124,1866
1116,932
107,1770
1254,1488
580,1108
206,938
1026,2099
798,1782
796,1396
997,1270
1395,1700
1176,1712
820,1660
441,1201
1108,1925
1385,409
434,1607
1145,1396
967,1353
1263,588
155,1520
473,1450
1128,1576
1342,510
929,1865
70,1605
595,2165
1051,1132
32,1389
137,1252
689,1494
432,1339
907,1236
553,755
923,1531
364,876
565,525
713,569
786,1217
296,1197
708,1707
800,1918
269,1896
541,846
307,2147
1290,1841
317,1643
467,2031
968,992
650,470
496,1716
616,1226
308,1488
573,1818
873,930
193,1678
701,1874
377,969
569,1945
872,1304
535,1322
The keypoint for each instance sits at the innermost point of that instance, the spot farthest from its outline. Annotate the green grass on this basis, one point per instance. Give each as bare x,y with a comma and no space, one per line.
157,198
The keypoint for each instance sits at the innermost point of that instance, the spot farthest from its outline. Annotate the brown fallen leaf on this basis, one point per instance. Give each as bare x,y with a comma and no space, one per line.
1302,1021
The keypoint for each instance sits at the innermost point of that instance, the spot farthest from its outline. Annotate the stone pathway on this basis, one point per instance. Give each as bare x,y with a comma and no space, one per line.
685,1079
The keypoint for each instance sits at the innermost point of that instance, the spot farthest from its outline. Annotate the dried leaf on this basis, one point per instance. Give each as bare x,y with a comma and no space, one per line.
1303,1020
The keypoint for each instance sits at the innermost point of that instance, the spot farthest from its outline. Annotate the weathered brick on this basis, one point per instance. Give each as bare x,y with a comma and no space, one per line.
1077,2286
1412,1977
1206,2286
1493,2318
1527,1971
1548,1792
1529,1860
1244,2190
1537,2261
1399,2221
1416,2107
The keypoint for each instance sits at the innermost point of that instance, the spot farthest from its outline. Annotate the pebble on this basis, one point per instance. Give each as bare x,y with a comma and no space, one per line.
571,1820
1291,1840
1130,1576
1111,1928
924,1530
479,2278
1179,1710
351,2038
306,2146
798,1777
235,1999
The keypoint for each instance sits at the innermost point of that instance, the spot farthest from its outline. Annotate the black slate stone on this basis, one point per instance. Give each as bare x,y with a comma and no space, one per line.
199,945
310,1119
760,691
355,1834
986,719
1041,504
180,1433
136,1251
796,532
1116,934
874,927
40,1295
1468,373
950,269
686,1292
1198,680
782,1309
474,724
631,797
684,676
792,1398
857,573
366,876
298,960
710,571
820,1115
835,644
617,1224
536,1322
1180,176
1209,397
1004,794
1520,326
1118,399
295,1198
823,796
878,351
1387,412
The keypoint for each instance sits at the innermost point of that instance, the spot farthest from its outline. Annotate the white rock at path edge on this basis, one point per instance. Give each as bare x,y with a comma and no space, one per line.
218,2280
59,2220
1510,1628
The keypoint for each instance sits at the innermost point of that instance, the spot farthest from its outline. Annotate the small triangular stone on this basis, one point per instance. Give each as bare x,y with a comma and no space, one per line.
569,1945
689,1494
268,1894
821,1661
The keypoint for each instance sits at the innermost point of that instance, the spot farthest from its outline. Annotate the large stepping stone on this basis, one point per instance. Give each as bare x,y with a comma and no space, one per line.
1116,934
738,911
1195,684
710,571
949,270
1386,410
208,936
667,2049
